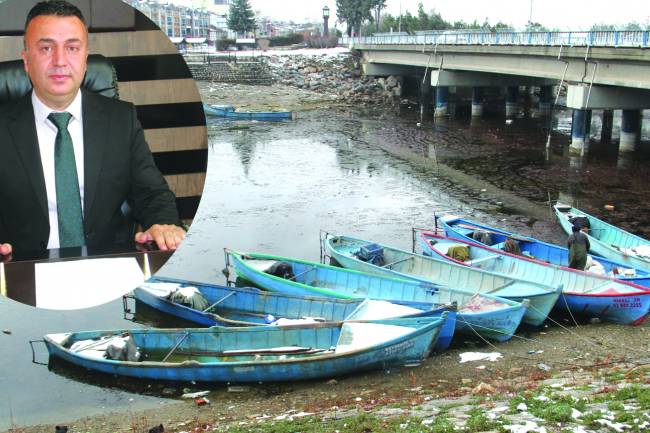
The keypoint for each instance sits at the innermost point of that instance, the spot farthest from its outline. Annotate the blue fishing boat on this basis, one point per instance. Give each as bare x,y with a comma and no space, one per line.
484,314
586,294
228,111
249,306
251,354
607,240
348,252
459,228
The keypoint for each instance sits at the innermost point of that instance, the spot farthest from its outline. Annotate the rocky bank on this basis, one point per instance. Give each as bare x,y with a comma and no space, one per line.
335,74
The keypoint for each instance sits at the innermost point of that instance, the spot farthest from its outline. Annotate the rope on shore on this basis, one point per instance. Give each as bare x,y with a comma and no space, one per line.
598,344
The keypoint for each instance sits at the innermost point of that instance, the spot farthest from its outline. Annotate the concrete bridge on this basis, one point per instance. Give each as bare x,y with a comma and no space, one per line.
602,70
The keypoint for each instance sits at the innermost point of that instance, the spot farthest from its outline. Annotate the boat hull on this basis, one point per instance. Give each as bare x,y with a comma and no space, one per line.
229,112
411,348
599,231
543,251
247,306
428,269
597,296
499,323
622,309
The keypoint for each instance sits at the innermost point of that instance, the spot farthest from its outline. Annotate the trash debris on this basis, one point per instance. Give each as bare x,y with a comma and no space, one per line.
529,427
195,394
236,388
496,412
521,407
157,429
6,331
479,356
61,429
202,401
483,389
544,367
535,352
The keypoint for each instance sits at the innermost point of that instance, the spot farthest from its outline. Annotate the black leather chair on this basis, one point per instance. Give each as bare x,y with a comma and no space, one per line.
100,78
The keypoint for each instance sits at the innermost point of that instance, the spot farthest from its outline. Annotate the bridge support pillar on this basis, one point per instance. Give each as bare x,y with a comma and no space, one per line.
442,101
607,126
580,128
630,126
426,91
512,101
477,102
545,97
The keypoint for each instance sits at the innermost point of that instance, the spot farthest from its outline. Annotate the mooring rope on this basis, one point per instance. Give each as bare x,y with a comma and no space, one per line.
598,344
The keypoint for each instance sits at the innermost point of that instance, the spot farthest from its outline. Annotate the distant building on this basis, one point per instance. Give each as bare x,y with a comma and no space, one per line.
206,20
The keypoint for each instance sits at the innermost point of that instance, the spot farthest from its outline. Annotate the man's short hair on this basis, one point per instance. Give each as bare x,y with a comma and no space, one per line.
59,8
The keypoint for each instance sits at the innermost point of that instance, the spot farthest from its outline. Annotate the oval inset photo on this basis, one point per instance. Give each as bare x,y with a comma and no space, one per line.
104,151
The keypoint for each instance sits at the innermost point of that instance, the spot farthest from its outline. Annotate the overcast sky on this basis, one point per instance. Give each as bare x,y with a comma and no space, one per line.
564,14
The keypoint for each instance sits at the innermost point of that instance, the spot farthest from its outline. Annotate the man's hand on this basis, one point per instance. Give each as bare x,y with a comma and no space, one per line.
5,252
5,249
166,236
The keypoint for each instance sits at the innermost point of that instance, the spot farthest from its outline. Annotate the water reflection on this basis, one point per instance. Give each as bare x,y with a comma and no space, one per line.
244,146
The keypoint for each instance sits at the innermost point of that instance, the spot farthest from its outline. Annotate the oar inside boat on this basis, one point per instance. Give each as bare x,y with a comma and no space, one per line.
390,265
207,310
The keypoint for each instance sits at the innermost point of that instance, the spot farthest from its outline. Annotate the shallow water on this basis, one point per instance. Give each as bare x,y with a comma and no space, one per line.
369,174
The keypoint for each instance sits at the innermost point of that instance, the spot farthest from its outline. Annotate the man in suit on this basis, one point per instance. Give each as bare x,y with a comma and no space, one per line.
70,159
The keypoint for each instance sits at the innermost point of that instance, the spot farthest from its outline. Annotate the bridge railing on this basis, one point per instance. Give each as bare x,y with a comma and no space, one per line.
587,38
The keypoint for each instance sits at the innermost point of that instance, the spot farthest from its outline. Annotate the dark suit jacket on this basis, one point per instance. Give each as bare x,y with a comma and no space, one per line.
118,166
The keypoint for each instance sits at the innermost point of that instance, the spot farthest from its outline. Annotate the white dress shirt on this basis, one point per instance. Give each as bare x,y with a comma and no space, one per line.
46,132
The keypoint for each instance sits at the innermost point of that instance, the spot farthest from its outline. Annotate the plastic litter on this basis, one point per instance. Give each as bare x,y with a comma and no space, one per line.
195,394
479,356
202,401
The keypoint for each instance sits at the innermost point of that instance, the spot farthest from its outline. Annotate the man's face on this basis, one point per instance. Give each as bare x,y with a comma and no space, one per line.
56,50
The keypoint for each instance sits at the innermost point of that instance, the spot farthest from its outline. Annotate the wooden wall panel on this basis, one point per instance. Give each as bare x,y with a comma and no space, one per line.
159,91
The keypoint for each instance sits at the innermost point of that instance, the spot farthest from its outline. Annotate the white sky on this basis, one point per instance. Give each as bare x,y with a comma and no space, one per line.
563,14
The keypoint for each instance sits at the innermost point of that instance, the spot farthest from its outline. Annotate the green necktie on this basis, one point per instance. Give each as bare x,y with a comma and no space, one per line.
68,201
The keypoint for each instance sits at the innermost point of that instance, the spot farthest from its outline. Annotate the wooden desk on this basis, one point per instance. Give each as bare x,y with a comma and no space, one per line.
20,281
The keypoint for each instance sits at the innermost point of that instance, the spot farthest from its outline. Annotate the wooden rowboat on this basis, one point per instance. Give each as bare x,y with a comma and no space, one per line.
252,354
586,294
405,264
607,240
248,306
459,228
228,111
483,314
